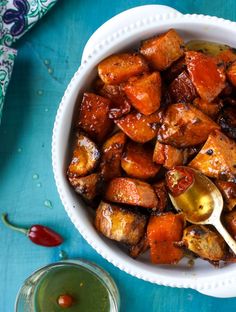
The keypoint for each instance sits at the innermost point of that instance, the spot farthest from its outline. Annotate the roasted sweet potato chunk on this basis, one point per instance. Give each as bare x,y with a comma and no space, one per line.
144,92
162,195
85,157
184,125
119,67
231,73
138,127
217,158
139,248
137,161
204,242
88,187
110,165
169,156
182,90
119,224
131,192
119,102
161,51
209,108
94,116
207,77
159,153
163,231
228,190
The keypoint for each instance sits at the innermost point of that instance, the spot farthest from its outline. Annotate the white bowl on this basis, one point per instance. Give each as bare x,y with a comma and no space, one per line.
123,32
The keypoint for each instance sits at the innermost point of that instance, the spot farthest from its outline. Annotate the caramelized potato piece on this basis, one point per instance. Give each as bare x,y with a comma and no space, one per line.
161,51
88,187
162,195
137,161
163,231
181,89
184,125
138,127
229,220
139,248
231,73
204,242
119,102
217,158
110,165
209,108
169,156
85,157
119,67
144,92
228,190
227,121
118,224
207,77
131,192
159,153
93,116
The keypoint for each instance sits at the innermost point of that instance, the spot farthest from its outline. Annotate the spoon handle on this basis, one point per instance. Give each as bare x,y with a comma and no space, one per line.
225,234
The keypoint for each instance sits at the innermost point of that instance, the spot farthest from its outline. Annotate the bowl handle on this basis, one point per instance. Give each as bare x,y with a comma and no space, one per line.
226,291
121,20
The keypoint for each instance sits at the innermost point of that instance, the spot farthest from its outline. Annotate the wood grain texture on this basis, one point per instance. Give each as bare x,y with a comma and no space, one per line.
48,56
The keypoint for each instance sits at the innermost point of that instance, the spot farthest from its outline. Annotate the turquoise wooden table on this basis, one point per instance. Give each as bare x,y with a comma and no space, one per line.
47,58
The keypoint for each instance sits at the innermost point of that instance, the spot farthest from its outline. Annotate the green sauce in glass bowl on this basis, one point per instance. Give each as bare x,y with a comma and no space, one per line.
89,287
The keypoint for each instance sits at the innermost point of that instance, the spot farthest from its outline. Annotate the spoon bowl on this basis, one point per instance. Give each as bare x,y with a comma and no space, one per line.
202,203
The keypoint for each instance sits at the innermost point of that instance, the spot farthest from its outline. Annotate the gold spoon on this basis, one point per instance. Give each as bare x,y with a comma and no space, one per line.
201,202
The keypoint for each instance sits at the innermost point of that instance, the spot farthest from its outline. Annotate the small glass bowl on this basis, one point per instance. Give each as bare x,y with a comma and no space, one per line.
25,297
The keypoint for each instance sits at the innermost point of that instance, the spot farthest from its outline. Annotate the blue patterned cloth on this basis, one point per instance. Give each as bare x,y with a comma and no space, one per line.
7,56
16,17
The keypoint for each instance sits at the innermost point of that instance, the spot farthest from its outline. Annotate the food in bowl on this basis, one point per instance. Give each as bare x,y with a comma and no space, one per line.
165,106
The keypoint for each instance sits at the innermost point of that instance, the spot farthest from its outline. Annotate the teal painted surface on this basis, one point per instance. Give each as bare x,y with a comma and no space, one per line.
47,58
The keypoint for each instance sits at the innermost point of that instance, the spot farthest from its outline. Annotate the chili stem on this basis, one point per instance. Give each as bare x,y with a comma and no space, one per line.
13,227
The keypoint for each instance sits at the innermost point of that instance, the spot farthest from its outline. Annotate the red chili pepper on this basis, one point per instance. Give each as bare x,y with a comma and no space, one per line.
65,301
179,179
38,234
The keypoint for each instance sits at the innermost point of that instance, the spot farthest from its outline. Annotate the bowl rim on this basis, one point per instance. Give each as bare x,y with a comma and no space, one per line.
208,282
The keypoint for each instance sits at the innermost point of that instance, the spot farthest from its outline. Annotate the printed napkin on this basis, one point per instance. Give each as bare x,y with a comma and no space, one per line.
16,18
